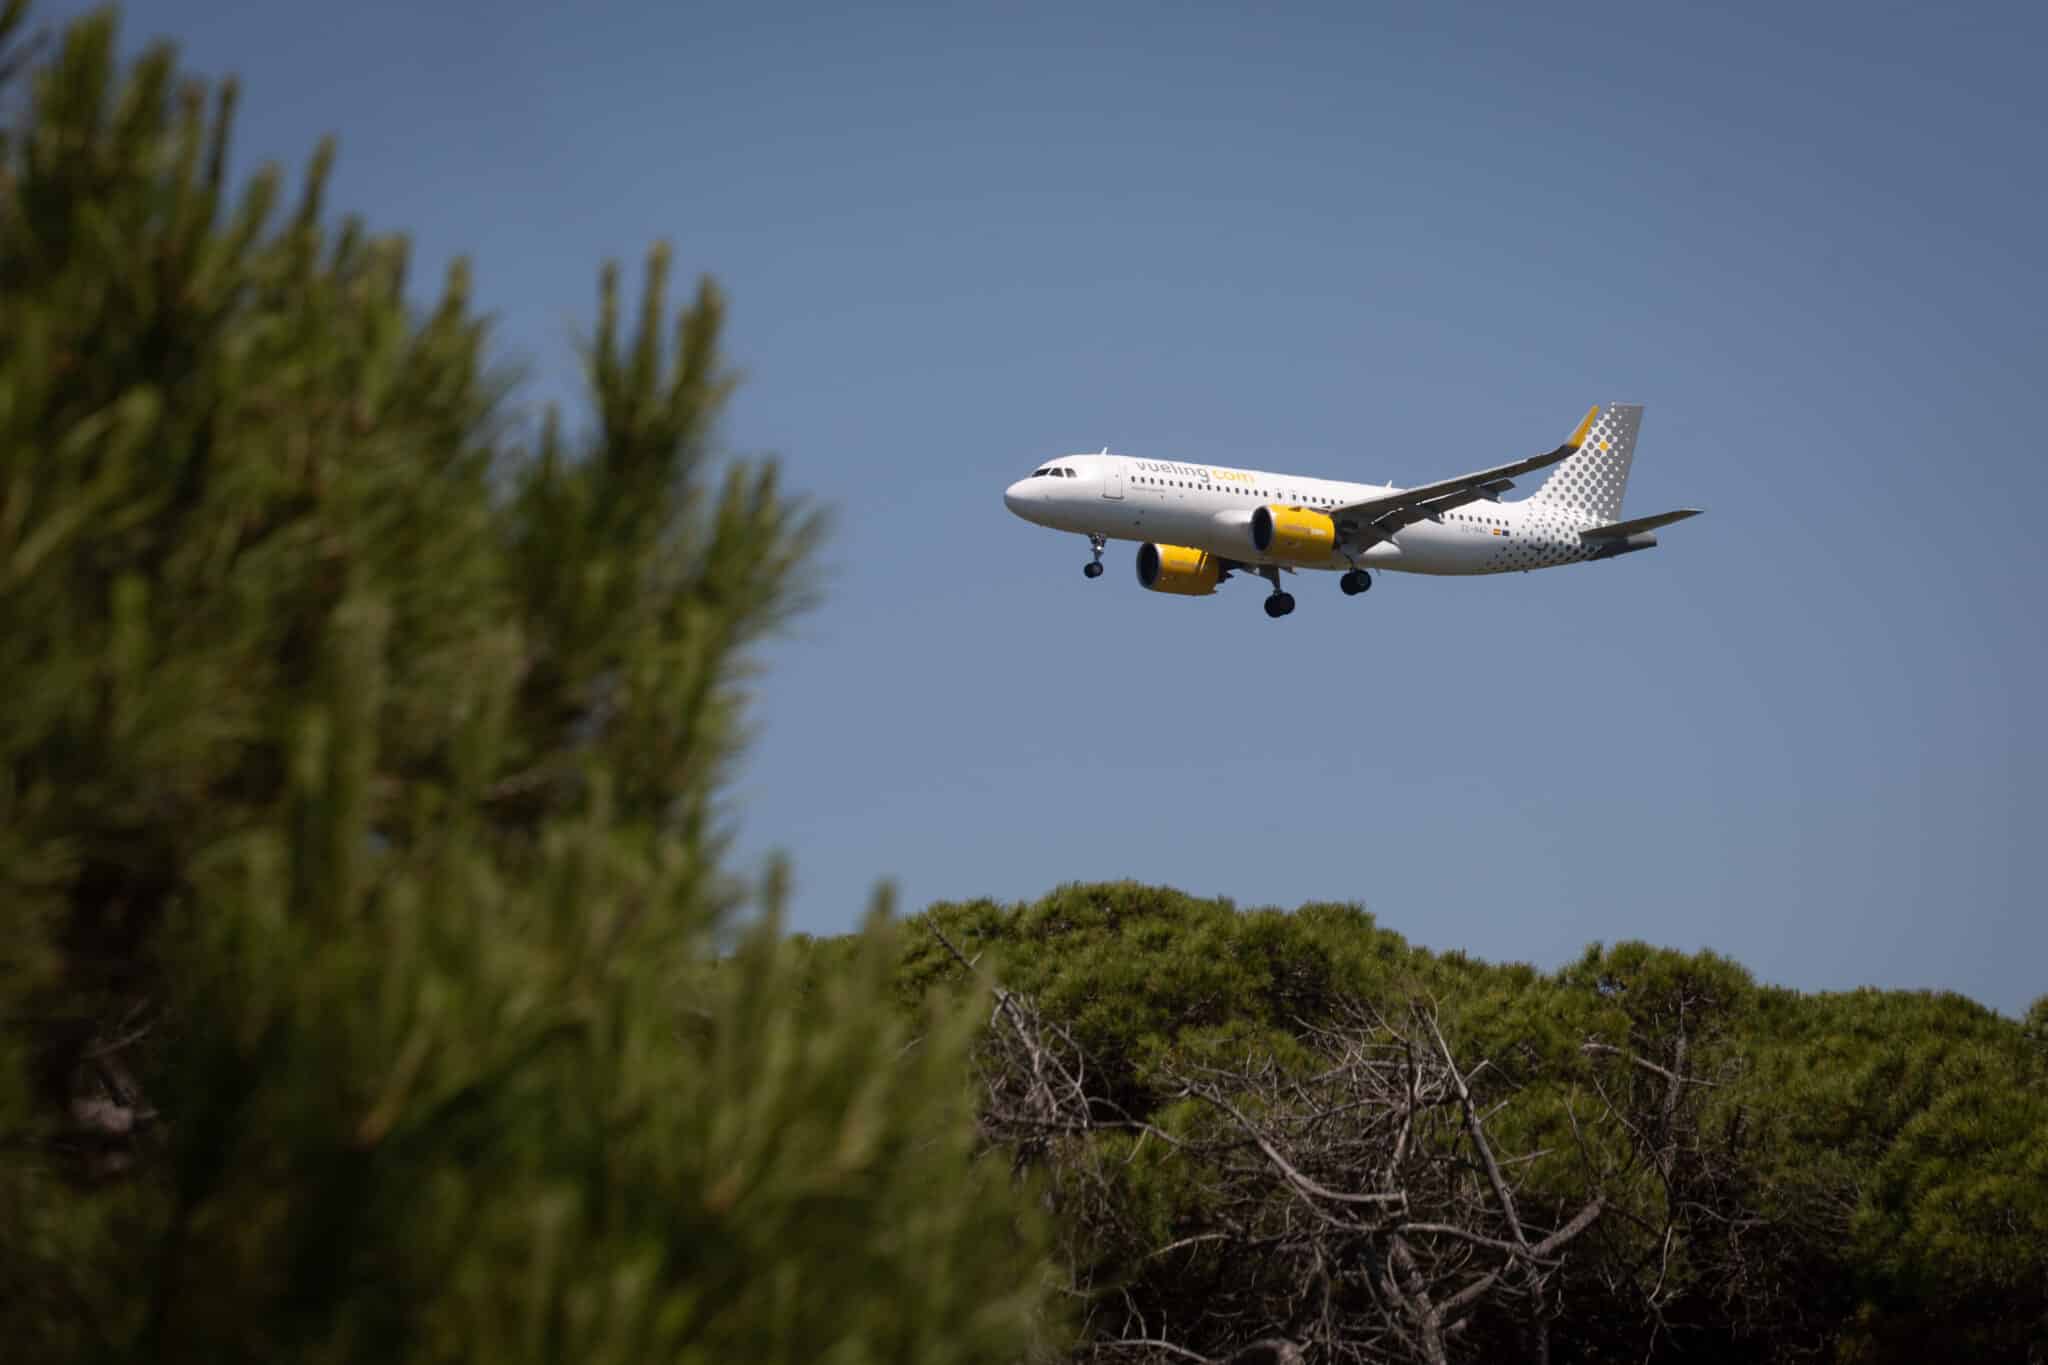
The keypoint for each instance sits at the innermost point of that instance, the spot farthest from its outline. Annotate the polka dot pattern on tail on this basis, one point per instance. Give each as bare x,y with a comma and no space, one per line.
1589,486
1543,536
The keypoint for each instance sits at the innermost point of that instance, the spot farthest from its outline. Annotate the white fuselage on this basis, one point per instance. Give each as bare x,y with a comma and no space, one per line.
1209,507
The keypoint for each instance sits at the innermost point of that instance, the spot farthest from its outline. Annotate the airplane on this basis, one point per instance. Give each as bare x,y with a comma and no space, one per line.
1198,524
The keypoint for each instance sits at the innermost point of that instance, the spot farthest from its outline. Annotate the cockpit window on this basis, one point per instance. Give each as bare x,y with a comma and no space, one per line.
1064,472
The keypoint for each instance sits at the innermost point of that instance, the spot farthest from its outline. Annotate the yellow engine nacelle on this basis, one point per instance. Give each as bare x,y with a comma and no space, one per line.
1177,569
1292,533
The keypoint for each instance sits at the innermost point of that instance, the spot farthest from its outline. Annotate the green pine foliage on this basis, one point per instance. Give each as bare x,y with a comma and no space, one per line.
1855,1176
374,985
361,871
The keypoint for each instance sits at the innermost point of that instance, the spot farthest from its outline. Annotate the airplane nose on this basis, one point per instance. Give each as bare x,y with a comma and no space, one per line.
1014,497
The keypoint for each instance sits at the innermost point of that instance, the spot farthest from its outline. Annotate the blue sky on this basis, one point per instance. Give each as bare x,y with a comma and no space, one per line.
1357,241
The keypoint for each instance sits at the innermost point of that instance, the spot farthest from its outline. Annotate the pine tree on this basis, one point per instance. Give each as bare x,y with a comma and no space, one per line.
361,869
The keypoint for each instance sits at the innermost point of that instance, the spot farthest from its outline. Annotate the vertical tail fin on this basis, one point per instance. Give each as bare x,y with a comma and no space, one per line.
1592,482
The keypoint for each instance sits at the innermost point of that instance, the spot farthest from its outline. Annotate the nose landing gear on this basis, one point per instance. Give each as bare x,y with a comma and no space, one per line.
1093,569
1355,582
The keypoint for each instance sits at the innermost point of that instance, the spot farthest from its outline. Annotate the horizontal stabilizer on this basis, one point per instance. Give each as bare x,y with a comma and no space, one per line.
1622,530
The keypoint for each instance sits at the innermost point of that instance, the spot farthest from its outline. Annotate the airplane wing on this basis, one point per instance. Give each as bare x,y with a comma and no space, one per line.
1377,519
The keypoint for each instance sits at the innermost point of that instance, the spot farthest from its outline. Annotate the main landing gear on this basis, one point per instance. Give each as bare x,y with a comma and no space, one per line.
1355,582
1278,603
1093,569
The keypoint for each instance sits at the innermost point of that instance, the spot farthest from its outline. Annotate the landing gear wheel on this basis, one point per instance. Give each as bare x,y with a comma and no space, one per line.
1355,582
1096,542
1279,604
1092,570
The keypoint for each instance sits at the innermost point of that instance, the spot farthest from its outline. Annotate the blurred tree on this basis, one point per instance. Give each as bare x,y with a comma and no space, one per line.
362,893
360,861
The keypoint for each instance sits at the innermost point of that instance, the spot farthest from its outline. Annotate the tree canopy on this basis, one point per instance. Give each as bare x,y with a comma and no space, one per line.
1293,1125
375,982
360,846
